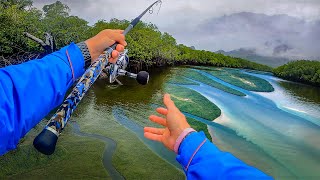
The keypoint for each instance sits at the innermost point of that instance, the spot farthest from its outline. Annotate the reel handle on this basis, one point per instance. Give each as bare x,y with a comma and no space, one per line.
143,77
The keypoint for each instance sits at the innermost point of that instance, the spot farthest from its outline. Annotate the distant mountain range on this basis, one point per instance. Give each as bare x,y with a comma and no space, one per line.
251,55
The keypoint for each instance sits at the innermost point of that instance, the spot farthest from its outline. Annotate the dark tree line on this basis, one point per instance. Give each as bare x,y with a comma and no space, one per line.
301,71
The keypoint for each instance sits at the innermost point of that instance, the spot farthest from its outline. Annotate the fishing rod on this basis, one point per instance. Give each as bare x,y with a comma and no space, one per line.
46,141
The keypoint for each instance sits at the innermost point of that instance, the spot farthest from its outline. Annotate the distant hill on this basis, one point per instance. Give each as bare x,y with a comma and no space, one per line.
251,55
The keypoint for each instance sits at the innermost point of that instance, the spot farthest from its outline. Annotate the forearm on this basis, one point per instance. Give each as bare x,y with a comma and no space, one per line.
203,160
29,91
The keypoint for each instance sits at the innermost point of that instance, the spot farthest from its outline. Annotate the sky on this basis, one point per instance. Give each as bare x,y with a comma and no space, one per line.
195,23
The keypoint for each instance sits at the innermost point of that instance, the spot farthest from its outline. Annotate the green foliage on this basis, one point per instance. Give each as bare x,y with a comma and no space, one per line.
21,4
56,9
16,18
301,71
14,21
188,55
65,28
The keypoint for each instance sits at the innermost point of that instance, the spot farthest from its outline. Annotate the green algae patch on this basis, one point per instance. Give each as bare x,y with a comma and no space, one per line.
192,102
199,126
192,74
242,80
177,77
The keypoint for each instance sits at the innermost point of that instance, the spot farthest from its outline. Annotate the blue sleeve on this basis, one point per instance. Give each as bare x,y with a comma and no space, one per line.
29,91
211,163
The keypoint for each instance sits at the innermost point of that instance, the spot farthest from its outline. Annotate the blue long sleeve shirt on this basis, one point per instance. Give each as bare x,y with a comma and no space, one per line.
29,91
201,159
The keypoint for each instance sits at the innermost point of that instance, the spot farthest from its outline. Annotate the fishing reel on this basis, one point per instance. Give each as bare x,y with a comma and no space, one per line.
119,69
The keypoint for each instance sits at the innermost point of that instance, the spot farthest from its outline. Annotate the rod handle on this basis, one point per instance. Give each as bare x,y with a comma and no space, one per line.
46,142
125,32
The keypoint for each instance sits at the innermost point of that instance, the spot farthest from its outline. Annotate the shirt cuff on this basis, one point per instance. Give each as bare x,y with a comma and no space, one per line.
182,136
189,146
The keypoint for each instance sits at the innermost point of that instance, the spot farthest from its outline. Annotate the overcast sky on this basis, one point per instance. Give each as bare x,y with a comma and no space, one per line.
181,18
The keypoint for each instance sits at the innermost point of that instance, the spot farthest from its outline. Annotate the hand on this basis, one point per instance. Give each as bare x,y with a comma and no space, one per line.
103,40
174,123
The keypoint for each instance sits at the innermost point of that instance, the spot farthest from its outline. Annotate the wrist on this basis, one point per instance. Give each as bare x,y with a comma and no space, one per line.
86,54
181,137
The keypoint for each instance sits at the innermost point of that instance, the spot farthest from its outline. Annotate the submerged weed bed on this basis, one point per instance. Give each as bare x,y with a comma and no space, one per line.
189,73
242,80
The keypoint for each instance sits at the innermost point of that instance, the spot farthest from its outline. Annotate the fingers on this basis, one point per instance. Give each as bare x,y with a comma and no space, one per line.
120,48
118,31
168,102
158,131
119,37
162,111
158,120
153,137
154,134
115,53
114,56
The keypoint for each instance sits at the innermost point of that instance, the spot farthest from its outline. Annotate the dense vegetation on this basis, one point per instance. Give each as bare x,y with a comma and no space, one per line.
302,71
148,46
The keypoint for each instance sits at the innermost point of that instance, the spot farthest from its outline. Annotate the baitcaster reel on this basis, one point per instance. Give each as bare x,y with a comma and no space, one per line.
118,69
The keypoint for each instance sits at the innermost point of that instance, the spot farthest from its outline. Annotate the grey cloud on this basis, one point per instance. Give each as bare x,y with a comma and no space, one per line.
283,48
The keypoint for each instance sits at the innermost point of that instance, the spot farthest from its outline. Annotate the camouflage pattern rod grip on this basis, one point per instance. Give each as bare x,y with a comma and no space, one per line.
46,141
59,120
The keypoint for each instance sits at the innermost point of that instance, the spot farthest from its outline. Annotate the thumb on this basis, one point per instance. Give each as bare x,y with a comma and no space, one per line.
168,102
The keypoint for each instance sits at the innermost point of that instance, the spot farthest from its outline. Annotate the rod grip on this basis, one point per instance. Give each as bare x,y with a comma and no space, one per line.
114,46
46,142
